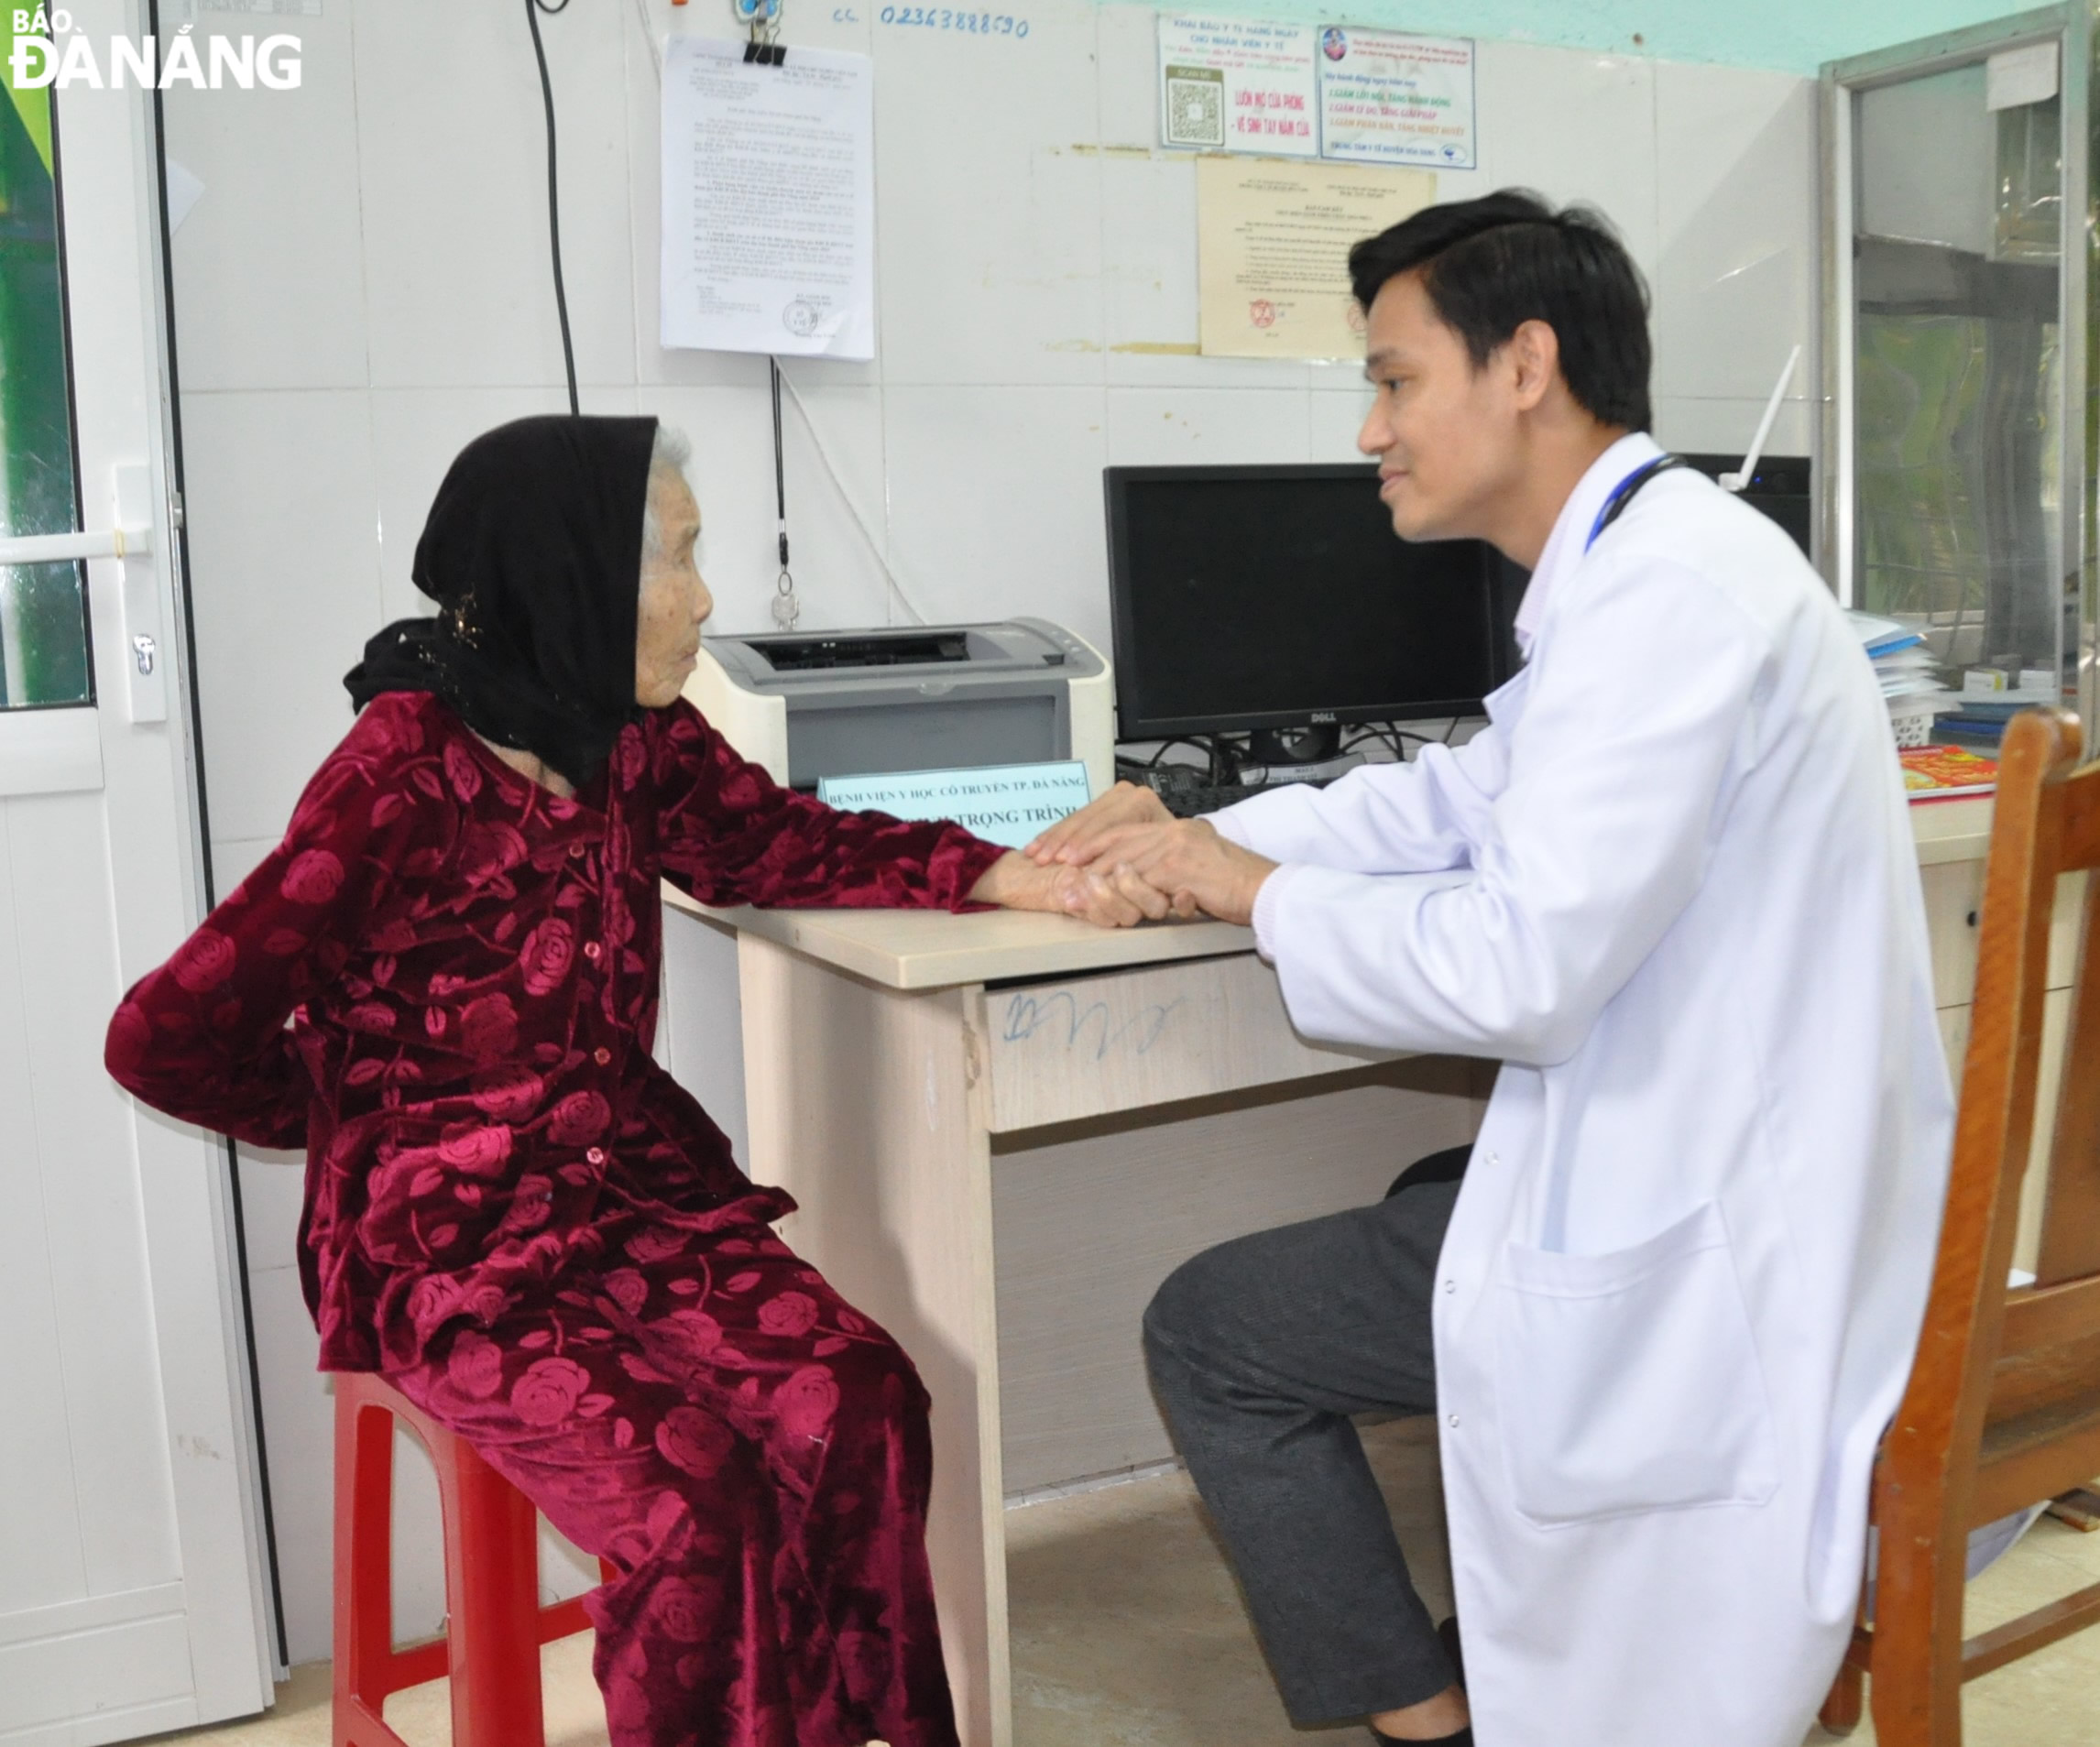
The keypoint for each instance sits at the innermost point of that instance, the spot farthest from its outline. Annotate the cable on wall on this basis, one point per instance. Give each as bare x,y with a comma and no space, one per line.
852,508
787,609
649,36
534,8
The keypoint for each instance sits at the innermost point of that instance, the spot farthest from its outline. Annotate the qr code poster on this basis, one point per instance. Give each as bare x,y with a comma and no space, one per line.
1194,106
1239,85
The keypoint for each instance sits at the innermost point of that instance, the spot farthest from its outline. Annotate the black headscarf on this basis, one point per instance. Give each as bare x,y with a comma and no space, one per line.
533,551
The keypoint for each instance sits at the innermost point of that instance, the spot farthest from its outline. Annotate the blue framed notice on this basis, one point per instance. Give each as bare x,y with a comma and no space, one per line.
1002,803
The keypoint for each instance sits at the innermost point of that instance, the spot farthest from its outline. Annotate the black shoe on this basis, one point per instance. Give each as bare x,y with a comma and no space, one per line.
1448,1635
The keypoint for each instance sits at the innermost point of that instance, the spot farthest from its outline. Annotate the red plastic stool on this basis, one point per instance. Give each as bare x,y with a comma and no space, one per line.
495,1625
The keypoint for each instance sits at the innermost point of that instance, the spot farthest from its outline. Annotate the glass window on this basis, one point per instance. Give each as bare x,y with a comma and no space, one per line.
43,612
1959,365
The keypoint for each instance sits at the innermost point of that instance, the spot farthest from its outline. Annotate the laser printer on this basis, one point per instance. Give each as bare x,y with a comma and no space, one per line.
926,697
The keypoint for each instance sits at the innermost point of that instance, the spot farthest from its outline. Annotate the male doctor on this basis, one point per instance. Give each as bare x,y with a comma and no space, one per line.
1665,1315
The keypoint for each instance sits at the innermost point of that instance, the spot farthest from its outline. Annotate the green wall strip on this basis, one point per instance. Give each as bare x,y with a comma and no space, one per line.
1792,35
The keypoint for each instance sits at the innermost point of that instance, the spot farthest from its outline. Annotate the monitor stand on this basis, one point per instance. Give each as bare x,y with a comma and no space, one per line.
1313,745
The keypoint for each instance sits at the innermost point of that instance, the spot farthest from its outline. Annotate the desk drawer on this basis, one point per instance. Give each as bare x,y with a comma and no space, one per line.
1953,899
1095,1046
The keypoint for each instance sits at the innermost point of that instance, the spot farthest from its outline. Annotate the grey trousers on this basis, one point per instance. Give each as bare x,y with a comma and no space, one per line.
1259,1350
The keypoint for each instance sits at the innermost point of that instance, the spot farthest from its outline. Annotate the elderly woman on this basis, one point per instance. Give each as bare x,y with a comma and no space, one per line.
442,984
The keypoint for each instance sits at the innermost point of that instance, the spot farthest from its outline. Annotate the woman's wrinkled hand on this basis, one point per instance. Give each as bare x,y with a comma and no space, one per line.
1074,837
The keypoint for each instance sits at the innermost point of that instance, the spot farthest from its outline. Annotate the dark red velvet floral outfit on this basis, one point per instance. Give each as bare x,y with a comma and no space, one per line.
539,1237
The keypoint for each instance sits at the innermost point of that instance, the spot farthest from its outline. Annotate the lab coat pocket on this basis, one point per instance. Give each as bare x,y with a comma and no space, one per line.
1629,1382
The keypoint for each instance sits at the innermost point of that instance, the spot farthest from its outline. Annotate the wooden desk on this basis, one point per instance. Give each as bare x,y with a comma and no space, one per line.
1004,1129
1106,1103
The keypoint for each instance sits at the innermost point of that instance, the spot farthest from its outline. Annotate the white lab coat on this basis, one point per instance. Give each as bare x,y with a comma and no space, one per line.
1672,888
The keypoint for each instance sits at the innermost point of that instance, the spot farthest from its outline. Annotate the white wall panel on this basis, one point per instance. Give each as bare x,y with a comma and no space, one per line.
1695,426
995,502
1205,427
453,173
299,1427
1573,126
1126,44
269,265
273,1191
235,858
1735,280
837,578
988,221
1340,402
284,568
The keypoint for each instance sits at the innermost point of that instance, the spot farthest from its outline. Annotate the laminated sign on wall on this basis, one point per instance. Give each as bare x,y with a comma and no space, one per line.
768,201
1389,99
1316,91
1231,84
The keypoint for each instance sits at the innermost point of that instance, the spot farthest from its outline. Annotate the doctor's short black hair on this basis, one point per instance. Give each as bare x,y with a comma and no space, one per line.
1492,264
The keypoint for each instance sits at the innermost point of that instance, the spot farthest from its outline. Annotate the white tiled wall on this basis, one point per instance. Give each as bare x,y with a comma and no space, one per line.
363,286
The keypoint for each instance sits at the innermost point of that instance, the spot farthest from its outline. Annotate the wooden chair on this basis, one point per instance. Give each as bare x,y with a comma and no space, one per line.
2002,1406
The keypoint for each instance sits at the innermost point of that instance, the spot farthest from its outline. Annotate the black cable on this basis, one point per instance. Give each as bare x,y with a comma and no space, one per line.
1394,736
780,459
186,617
534,8
1161,752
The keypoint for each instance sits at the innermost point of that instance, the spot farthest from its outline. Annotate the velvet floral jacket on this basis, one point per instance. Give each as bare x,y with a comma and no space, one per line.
442,984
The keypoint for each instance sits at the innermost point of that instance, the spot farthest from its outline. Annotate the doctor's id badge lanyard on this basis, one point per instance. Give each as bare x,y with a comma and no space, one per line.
1625,492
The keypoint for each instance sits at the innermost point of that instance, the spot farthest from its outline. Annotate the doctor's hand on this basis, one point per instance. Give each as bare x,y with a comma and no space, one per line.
1070,840
1109,896
1188,861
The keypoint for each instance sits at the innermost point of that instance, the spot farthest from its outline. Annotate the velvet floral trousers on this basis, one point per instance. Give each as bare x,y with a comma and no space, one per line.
752,1457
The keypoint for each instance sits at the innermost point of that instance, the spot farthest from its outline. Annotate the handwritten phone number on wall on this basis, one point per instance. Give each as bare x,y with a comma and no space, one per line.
978,23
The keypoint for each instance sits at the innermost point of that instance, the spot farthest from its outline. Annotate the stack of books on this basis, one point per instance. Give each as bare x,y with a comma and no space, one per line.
1986,702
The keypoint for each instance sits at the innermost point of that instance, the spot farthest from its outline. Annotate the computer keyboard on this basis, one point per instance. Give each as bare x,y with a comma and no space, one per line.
1191,799
1190,792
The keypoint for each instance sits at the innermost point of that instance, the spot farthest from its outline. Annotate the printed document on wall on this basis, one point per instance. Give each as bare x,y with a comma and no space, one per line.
1272,252
1390,98
768,201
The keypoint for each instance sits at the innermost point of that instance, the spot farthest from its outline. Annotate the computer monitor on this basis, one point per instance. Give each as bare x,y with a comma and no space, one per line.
1782,487
1279,597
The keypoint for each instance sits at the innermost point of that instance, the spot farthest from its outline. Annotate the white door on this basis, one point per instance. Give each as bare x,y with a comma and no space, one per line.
131,1593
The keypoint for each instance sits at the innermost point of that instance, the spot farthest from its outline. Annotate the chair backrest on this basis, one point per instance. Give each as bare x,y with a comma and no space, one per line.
1991,1357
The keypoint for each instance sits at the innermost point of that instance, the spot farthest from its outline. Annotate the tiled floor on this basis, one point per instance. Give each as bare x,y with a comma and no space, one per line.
1128,1634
